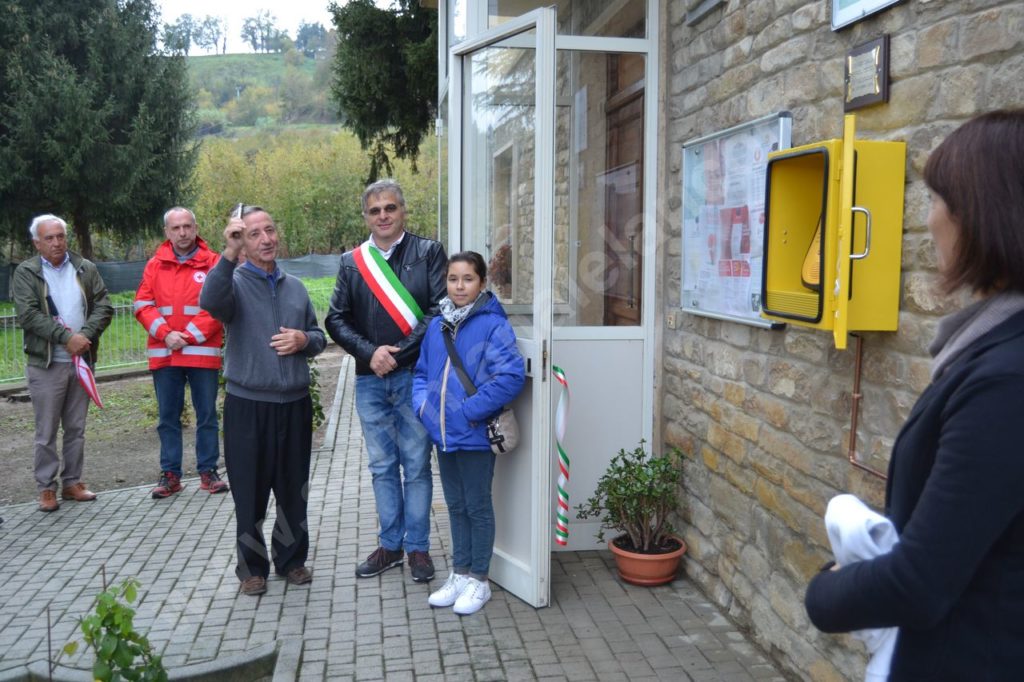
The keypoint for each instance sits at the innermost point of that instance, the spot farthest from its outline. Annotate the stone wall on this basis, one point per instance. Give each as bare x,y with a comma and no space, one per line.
763,416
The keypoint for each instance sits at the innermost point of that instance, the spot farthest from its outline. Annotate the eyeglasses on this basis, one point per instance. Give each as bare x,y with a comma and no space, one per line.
375,211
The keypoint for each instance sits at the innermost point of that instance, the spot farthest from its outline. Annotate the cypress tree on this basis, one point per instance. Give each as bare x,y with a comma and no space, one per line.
95,123
385,77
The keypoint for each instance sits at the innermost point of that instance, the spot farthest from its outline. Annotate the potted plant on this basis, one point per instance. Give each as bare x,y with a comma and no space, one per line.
635,497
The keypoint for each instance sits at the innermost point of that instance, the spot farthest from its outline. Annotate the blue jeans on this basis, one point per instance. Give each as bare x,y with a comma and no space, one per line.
395,439
169,383
466,480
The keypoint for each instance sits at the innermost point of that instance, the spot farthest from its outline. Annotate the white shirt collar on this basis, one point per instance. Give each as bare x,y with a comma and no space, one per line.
67,257
391,249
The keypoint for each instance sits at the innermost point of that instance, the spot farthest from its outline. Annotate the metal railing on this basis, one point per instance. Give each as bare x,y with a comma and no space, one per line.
122,346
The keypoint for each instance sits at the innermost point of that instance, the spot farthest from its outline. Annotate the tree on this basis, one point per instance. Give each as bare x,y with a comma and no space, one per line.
251,33
310,39
179,36
95,123
209,33
279,41
172,39
385,77
259,31
257,102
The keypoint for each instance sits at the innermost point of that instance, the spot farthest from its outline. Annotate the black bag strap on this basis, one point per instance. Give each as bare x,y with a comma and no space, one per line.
453,354
52,306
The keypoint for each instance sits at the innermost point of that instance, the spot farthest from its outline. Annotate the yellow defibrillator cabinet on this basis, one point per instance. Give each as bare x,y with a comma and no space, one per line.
833,234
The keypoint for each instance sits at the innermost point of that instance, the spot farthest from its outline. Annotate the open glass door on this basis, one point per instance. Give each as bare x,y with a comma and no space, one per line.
501,160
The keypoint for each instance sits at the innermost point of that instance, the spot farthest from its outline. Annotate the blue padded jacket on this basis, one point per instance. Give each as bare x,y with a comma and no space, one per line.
487,346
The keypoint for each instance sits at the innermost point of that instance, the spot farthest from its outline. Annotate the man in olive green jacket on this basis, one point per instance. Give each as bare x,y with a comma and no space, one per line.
65,285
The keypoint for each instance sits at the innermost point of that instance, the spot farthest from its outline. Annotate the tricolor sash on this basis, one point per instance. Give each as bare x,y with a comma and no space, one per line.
387,288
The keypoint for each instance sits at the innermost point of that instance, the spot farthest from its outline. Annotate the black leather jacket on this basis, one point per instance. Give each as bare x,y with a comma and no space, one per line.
358,322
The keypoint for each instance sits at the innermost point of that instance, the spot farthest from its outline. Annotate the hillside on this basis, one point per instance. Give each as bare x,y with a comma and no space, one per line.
213,72
243,90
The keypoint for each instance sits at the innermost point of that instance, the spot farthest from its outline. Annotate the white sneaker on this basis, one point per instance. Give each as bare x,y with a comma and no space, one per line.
450,591
473,597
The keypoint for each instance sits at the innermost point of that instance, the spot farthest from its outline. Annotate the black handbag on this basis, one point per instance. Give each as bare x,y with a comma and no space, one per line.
503,428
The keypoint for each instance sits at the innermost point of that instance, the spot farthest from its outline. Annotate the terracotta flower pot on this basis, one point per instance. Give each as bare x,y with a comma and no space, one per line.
647,569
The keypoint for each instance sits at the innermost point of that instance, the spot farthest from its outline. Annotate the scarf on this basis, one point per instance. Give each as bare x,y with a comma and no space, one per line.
959,330
454,315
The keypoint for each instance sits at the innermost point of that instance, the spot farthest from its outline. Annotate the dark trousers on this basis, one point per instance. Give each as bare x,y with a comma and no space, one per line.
466,480
267,448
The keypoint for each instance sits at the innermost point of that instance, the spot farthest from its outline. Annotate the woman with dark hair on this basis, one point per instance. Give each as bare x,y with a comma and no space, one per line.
473,319
954,583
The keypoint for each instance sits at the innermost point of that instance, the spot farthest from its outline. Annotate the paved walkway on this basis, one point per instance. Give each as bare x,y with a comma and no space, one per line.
181,550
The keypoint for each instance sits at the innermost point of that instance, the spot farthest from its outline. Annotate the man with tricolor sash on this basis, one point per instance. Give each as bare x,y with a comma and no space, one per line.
386,292
63,308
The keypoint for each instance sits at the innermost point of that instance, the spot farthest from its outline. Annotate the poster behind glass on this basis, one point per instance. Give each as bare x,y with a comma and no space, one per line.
723,218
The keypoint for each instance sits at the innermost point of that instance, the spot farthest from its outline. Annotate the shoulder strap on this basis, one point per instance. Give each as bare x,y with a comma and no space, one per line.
52,306
467,383
387,288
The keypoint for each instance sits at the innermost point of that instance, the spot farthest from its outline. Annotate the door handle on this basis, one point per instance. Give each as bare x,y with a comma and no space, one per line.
867,233
632,267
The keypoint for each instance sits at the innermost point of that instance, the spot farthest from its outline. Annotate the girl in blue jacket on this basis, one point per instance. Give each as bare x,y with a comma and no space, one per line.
456,422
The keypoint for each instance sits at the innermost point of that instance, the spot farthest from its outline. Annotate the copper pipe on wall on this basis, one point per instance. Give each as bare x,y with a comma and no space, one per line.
855,411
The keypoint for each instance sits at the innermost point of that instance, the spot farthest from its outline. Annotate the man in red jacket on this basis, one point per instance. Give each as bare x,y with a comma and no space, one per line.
184,345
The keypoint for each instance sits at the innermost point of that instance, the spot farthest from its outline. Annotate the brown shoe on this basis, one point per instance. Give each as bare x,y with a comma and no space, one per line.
78,492
299,576
48,501
254,586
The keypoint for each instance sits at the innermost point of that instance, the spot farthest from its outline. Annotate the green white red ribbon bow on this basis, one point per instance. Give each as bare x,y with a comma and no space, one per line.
561,417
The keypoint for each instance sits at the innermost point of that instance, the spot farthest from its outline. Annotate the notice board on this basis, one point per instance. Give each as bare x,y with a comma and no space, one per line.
723,218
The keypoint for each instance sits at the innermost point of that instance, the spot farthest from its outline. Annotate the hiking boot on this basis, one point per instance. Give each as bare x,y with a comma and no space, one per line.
253,586
379,561
422,567
473,597
210,481
450,591
169,484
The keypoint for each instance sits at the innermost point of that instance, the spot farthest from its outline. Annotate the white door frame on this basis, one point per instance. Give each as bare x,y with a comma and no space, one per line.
653,233
526,577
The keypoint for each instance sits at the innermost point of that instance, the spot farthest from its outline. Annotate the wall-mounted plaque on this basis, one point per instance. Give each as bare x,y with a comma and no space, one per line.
866,74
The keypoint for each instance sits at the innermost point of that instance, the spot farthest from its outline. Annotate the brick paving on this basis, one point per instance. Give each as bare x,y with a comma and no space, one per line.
182,551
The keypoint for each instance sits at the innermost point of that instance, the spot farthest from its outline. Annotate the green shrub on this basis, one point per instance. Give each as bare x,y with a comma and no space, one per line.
636,496
122,653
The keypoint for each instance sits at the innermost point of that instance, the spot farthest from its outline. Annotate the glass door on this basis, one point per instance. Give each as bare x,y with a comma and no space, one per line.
502,205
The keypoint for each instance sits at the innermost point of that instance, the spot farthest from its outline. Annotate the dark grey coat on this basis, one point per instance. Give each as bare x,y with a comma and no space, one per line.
954,585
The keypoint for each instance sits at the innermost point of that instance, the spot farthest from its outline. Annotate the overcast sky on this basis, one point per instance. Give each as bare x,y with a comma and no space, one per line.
289,14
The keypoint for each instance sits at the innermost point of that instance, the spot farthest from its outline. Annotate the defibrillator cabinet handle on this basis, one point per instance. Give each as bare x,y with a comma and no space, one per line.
867,233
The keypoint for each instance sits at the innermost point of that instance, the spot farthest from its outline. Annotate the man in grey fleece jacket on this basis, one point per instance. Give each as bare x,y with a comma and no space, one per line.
268,414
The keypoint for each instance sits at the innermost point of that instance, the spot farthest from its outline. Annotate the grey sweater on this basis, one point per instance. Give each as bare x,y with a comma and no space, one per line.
252,312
